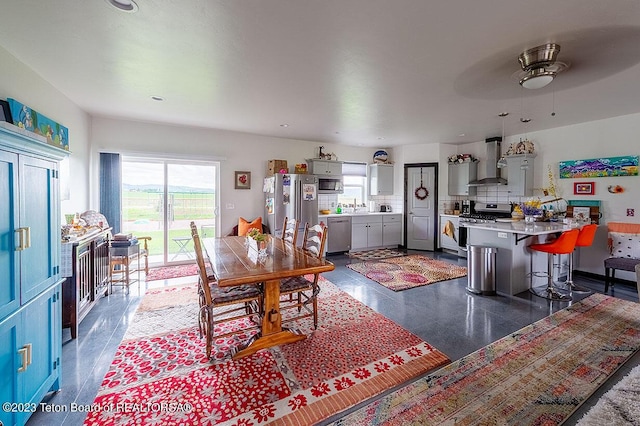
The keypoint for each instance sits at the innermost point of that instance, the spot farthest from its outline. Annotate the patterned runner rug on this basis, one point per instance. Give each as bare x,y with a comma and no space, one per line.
377,254
160,374
405,272
536,376
167,272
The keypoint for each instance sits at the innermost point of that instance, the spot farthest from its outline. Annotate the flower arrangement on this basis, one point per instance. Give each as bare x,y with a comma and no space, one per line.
256,235
531,207
461,158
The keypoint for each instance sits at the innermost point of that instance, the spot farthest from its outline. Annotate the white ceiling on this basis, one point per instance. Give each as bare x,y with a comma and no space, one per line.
343,71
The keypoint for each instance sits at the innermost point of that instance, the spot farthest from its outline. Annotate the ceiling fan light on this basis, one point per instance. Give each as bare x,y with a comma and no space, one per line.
537,78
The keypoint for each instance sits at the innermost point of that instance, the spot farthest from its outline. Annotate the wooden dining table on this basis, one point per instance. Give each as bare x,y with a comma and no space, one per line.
234,264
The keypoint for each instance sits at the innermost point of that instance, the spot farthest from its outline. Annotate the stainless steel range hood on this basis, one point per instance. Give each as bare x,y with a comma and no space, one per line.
493,172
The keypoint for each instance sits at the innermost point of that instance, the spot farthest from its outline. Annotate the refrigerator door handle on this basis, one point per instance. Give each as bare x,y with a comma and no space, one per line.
298,190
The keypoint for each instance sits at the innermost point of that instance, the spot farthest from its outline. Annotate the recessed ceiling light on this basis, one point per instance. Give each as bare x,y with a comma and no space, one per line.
157,98
462,134
124,5
380,138
284,125
525,120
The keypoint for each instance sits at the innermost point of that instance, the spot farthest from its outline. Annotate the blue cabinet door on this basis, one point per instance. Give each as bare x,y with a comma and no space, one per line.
39,217
9,259
9,365
41,333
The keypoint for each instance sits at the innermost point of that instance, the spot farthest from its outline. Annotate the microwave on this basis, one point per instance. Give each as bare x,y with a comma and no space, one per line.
330,185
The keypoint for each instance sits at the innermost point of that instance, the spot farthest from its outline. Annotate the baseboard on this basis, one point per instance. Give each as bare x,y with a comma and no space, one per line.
602,278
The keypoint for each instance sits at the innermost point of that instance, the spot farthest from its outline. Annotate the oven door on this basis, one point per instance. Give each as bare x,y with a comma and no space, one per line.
462,241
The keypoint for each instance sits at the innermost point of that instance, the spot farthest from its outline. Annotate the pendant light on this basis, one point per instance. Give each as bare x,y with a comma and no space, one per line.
502,162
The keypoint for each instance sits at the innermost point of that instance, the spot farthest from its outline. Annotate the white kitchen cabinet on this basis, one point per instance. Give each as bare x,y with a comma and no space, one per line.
325,167
447,242
520,174
366,232
380,179
460,174
392,230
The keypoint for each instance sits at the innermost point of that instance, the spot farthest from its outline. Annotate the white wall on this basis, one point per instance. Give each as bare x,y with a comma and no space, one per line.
238,151
19,82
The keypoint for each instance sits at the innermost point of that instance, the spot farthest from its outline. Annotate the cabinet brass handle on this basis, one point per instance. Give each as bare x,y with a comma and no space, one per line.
29,347
21,246
23,355
28,232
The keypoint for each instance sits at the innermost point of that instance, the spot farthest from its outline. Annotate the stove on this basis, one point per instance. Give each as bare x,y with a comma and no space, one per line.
487,213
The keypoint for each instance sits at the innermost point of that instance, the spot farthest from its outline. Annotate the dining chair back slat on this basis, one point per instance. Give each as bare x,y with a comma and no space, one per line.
290,230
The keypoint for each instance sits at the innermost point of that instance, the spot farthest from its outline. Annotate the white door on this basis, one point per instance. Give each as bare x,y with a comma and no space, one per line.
420,213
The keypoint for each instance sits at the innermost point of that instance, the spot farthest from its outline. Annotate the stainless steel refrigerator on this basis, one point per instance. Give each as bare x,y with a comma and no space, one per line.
292,196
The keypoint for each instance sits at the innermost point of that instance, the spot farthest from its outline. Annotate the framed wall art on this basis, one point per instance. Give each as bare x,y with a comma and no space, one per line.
243,180
584,188
599,167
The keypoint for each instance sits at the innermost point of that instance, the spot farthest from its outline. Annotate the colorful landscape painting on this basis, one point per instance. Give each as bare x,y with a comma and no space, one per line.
599,167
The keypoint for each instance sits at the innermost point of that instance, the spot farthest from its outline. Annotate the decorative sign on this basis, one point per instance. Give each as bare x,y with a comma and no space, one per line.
599,167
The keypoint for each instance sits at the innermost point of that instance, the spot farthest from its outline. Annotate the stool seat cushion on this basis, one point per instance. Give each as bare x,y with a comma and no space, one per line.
586,235
564,244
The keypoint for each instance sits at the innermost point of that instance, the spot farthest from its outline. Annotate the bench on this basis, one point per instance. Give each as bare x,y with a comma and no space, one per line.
624,248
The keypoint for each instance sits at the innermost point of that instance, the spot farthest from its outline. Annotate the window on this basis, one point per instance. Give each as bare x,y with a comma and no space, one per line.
355,184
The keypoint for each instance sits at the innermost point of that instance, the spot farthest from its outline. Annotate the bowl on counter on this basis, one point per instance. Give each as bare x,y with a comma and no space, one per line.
325,211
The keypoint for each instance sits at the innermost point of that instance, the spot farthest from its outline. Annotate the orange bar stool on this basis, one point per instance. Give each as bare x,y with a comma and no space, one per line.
585,239
564,244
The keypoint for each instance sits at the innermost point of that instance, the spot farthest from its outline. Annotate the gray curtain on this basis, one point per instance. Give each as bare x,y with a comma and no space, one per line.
111,189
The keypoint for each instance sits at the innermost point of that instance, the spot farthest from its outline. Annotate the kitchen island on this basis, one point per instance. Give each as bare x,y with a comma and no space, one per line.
514,261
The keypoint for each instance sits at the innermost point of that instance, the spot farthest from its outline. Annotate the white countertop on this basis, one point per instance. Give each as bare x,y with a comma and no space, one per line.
357,214
520,227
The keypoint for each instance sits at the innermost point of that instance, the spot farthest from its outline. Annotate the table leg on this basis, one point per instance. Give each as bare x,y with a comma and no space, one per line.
272,333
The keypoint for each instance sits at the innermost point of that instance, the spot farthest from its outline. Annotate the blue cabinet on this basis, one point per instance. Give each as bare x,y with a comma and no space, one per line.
30,284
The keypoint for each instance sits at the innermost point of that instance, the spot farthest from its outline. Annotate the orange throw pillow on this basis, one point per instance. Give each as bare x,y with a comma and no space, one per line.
244,226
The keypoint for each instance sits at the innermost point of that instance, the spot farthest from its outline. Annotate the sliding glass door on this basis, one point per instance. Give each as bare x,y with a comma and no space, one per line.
161,197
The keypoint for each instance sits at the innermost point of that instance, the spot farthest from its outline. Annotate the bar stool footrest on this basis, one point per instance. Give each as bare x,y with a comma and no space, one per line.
550,294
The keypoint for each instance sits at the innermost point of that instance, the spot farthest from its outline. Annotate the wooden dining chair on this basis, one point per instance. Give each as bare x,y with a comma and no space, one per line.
290,230
239,302
306,302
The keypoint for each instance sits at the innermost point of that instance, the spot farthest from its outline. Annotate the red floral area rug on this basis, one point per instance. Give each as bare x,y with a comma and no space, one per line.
538,375
401,273
168,272
160,373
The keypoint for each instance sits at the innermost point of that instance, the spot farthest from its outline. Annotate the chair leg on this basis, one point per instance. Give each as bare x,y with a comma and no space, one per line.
549,292
315,312
569,285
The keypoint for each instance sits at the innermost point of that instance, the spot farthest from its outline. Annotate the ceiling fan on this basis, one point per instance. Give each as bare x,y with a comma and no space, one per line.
539,66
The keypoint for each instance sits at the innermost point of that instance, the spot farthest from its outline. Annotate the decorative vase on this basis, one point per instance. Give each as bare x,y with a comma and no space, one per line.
529,219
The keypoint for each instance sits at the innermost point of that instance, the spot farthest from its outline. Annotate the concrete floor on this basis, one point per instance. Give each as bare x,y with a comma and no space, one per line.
444,314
